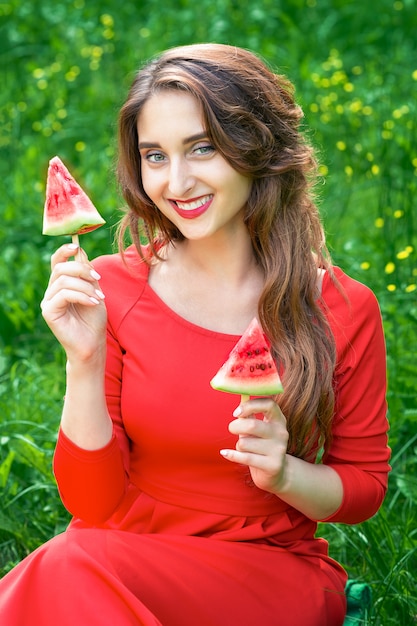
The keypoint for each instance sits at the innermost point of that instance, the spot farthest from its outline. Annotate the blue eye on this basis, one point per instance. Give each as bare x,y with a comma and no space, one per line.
155,157
204,149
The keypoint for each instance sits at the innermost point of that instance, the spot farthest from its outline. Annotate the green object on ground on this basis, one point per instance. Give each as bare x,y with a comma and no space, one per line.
359,598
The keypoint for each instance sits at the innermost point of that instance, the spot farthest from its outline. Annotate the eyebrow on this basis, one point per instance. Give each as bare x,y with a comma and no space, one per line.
191,139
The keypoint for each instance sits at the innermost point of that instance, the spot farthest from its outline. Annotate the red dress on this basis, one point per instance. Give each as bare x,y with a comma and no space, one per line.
165,530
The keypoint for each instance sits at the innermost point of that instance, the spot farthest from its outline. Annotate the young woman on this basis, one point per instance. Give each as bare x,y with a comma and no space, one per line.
189,509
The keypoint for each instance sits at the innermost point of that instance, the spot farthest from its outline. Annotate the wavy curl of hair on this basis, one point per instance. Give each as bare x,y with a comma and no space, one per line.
252,119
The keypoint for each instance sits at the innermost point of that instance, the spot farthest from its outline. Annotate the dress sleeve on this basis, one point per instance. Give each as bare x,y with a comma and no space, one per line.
359,452
92,483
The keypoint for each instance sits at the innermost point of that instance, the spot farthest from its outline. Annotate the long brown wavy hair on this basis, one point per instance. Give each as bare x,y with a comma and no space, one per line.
252,119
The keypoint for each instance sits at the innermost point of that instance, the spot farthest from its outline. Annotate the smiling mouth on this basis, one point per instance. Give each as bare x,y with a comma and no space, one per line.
192,208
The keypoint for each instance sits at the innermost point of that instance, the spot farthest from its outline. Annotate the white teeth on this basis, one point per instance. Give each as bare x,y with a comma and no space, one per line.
193,205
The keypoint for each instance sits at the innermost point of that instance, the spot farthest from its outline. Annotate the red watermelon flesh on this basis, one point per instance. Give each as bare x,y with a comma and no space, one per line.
250,369
68,210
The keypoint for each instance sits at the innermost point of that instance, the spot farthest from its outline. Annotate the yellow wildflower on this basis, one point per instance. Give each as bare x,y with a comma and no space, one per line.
106,20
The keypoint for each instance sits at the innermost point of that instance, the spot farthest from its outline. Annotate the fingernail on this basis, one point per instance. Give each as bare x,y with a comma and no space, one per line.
237,411
94,300
224,453
95,274
73,246
100,294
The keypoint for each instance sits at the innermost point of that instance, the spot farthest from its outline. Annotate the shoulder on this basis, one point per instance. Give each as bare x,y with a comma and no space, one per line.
128,263
347,296
123,279
121,270
352,309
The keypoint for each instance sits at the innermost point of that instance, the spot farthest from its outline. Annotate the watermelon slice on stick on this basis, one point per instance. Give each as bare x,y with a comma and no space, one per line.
68,210
250,369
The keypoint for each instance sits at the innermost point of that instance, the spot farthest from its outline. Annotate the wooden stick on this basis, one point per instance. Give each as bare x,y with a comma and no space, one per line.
76,242
244,398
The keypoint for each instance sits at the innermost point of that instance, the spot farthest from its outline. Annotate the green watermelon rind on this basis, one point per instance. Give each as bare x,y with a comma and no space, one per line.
77,226
220,383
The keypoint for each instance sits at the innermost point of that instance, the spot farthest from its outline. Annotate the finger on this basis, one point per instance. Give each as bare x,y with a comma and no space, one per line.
76,269
64,253
83,271
265,406
247,426
260,436
258,461
268,439
54,307
254,445
67,283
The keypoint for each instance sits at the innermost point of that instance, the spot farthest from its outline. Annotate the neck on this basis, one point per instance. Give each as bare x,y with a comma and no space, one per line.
200,278
226,261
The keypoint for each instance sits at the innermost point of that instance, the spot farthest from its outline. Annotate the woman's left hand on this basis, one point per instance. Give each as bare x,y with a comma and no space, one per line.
262,443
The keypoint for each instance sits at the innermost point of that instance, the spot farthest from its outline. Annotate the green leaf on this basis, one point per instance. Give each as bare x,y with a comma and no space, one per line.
407,484
5,468
7,524
30,454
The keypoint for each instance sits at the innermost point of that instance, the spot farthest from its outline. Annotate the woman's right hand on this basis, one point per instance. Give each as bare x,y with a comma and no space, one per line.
73,305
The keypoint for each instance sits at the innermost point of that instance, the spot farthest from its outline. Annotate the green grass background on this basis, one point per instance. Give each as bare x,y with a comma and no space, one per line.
65,67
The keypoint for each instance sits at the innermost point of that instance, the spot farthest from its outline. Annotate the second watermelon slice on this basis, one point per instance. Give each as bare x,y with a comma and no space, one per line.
250,369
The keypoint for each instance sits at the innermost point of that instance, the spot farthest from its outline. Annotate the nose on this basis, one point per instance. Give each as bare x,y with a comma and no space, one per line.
181,179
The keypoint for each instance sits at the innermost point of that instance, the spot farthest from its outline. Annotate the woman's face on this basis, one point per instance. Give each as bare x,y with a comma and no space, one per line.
182,173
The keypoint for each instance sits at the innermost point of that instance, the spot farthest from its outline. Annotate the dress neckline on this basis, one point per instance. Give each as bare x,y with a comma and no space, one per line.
158,301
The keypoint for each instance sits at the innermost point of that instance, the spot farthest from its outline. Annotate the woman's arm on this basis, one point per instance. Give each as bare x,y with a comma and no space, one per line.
85,419
74,310
315,490
88,461
93,481
350,484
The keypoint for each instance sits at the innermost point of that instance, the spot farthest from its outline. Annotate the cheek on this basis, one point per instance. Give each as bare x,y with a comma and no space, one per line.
150,183
240,187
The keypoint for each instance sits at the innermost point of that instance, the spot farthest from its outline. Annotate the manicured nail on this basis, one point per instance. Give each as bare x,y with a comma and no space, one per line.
95,274
100,294
224,453
94,300
73,246
237,411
